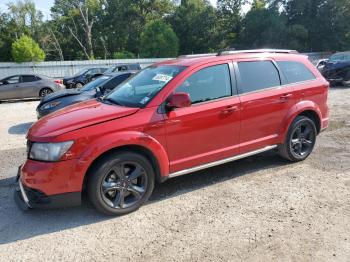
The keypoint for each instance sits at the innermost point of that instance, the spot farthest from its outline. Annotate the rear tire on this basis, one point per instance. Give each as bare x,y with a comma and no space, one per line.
44,92
120,183
300,140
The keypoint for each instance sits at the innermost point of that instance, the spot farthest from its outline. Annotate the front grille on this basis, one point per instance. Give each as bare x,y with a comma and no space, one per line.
29,146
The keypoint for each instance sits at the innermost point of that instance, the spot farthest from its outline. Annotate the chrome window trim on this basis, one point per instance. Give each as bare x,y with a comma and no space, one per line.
220,162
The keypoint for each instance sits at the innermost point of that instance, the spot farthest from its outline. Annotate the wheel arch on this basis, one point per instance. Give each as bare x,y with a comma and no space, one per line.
305,108
135,142
128,148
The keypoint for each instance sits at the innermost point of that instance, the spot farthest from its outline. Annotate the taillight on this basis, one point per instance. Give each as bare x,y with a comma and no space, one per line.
58,81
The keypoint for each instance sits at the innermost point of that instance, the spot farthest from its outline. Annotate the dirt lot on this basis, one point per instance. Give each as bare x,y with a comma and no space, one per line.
257,209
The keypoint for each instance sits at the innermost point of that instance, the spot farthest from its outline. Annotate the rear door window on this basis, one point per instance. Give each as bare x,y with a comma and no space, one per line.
295,72
257,75
29,78
208,84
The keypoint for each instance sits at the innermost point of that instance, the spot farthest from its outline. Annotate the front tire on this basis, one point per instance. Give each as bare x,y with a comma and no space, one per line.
120,183
300,140
78,85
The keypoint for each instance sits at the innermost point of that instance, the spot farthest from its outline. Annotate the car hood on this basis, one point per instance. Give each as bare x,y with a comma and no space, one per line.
74,117
67,78
60,94
337,64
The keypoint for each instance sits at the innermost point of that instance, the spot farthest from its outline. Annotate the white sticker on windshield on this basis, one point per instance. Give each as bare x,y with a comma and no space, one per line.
162,78
144,100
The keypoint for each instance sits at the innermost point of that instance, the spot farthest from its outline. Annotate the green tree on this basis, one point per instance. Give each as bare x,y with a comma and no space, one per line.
79,17
159,40
326,23
229,22
263,26
26,49
124,21
195,23
123,55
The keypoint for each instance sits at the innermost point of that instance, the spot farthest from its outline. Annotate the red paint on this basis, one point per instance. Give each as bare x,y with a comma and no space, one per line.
185,137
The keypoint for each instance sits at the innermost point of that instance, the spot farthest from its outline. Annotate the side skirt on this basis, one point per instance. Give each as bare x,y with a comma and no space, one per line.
220,162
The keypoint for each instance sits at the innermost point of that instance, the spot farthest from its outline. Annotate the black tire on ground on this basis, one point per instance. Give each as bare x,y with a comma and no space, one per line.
120,183
45,91
300,140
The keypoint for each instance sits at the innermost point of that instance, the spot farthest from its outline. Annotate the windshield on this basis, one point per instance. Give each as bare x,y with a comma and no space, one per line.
83,71
110,70
96,83
340,57
140,89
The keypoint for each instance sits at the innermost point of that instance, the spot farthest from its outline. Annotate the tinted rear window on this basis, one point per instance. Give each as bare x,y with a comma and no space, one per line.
29,78
258,75
295,72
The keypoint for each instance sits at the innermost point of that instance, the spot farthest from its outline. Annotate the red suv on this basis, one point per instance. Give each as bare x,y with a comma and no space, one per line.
171,119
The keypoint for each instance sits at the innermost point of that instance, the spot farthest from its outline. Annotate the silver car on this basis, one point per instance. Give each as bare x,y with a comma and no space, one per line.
27,86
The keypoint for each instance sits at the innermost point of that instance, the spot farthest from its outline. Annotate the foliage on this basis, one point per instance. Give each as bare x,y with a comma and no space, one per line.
123,55
26,49
195,23
88,29
159,40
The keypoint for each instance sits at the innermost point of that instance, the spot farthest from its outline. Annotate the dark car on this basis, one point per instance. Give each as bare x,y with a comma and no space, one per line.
96,88
83,77
27,86
337,69
123,67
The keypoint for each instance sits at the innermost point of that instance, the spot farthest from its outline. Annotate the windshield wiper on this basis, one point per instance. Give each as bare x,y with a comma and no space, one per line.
107,99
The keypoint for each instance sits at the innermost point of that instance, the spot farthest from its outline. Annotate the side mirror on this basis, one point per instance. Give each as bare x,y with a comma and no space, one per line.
178,100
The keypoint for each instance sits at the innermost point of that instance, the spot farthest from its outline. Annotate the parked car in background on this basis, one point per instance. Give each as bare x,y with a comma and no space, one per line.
320,64
27,86
171,119
337,69
99,87
124,67
83,77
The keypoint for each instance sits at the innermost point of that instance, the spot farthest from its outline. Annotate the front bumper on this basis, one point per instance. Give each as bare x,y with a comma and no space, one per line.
35,193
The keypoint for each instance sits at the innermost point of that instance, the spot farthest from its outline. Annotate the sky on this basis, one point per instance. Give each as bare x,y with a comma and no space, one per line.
42,5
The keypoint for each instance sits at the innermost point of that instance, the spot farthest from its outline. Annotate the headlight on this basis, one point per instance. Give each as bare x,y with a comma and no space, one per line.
50,105
49,151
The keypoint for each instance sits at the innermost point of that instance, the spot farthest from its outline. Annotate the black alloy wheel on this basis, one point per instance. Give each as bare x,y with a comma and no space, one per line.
300,140
124,185
120,183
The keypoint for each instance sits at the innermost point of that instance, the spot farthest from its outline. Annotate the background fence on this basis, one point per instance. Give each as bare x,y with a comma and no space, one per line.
60,69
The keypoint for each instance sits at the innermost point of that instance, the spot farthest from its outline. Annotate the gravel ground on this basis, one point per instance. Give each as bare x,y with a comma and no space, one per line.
256,209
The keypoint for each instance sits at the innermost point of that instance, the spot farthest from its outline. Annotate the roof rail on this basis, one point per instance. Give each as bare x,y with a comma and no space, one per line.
253,51
197,55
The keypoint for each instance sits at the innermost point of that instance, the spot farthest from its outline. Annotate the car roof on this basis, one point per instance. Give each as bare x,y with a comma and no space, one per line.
192,60
121,73
121,64
342,53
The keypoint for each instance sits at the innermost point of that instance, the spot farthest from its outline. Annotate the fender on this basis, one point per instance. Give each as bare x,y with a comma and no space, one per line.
294,111
125,138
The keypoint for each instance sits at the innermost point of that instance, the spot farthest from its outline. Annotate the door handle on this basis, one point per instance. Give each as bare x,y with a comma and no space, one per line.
286,97
230,109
